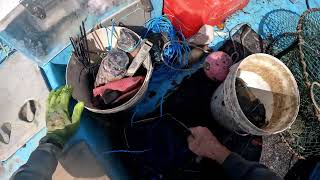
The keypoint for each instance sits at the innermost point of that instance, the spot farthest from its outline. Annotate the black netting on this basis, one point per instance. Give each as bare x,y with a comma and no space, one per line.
277,22
300,51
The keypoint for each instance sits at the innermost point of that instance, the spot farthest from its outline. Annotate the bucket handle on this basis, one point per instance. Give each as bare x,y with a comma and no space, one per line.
239,133
236,131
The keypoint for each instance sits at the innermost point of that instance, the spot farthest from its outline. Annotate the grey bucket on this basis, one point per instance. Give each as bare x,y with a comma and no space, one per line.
276,89
79,81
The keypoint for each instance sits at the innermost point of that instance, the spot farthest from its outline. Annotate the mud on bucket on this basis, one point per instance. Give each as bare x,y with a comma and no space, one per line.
259,96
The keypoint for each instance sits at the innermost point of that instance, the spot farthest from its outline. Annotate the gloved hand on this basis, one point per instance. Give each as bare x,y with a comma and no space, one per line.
59,123
204,144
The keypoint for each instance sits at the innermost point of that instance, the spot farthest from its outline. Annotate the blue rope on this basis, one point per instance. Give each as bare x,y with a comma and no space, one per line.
161,106
111,37
112,33
132,118
161,24
161,112
126,151
176,52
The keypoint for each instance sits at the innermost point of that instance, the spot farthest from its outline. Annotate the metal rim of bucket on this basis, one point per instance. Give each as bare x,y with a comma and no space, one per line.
135,99
231,94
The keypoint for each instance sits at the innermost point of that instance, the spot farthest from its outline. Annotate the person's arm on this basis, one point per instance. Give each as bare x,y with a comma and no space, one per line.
43,161
203,143
239,168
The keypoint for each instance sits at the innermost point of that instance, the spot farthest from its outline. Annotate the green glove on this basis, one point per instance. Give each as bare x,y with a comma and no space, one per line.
60,126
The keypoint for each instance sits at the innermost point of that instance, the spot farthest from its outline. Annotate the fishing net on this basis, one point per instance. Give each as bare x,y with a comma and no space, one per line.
277,22
300,51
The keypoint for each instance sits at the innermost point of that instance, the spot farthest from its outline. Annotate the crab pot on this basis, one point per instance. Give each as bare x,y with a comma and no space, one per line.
82,81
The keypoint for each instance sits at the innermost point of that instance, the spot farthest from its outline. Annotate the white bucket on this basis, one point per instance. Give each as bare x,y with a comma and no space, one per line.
271,82
77,78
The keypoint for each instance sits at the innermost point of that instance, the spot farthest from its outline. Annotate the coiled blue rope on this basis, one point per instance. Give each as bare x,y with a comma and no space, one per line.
175,52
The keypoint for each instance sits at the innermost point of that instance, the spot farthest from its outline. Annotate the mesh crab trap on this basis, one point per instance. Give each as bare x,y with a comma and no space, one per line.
300,51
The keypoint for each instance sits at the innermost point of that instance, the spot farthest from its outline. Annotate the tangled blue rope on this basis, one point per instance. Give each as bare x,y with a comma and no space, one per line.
161,24
176,51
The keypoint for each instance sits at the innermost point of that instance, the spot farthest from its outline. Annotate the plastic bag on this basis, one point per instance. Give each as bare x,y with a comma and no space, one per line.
191,15
126,42
113,67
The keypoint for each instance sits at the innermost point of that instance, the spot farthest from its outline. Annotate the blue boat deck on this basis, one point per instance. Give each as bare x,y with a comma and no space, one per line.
255,14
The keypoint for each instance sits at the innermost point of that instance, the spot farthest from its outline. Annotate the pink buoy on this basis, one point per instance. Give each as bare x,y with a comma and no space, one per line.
217,65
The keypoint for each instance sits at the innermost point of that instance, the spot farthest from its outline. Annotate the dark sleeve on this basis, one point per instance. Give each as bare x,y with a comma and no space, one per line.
41,164
240,169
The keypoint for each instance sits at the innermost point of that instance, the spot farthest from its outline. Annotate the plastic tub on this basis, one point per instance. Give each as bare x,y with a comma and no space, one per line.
271,82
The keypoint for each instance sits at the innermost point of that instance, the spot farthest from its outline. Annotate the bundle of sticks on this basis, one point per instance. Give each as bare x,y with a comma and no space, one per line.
81,50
